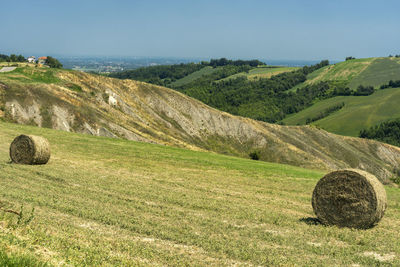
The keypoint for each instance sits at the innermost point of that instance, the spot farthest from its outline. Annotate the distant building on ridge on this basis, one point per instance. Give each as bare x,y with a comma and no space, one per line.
42,60
31,59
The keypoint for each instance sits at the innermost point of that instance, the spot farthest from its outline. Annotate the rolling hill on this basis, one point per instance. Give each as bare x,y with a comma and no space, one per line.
359,112
352,73
80,102
286,94
106,201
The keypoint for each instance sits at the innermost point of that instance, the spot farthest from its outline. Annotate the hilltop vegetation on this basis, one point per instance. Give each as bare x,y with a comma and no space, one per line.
104,201
97,105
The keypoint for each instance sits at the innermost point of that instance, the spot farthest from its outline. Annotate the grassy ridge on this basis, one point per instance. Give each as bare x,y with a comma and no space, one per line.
340,72
363,71
102,201
358,113
32,75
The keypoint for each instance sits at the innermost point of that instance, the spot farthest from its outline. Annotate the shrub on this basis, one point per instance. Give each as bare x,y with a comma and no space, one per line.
255,155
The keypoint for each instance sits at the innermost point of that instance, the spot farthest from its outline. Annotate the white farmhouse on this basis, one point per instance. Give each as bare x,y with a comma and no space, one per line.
31,59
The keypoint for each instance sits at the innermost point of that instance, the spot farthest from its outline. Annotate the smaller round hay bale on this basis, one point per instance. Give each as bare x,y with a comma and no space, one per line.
30,149
349,198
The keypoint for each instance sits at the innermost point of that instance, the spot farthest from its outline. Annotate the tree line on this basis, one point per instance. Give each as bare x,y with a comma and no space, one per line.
391,84
388,132
12,58
225,62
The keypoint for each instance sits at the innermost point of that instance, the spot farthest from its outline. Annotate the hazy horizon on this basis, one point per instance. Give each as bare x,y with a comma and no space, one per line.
268,30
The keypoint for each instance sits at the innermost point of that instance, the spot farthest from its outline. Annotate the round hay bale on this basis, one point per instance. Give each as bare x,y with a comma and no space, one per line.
349,198
30,149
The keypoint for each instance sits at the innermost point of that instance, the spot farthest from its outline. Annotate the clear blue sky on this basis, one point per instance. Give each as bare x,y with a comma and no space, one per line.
284,29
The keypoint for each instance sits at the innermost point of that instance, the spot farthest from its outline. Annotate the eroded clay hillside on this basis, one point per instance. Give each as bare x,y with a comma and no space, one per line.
97,105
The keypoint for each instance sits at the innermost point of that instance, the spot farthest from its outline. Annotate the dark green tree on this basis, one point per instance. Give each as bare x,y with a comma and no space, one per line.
364,90
21,58
13,58
53,62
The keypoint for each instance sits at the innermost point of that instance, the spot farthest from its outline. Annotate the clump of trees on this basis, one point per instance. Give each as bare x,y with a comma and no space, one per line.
391,84
53,62
224,62
342,91
388,132
364,90
12,58
350,58
254,155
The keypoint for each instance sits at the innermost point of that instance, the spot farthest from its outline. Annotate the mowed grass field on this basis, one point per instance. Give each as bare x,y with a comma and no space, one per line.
261,72
102,201
359,112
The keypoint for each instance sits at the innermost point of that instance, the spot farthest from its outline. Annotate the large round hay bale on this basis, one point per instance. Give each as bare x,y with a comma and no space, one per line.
349,198
30,149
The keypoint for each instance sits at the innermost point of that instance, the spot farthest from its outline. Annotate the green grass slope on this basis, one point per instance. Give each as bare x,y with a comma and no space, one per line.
102,201
359,112
193,76
381,71
343,71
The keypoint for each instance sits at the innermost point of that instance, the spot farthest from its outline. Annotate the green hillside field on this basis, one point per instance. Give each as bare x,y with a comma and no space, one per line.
381,71
359,112
261,72
102,201
193,76
352,73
